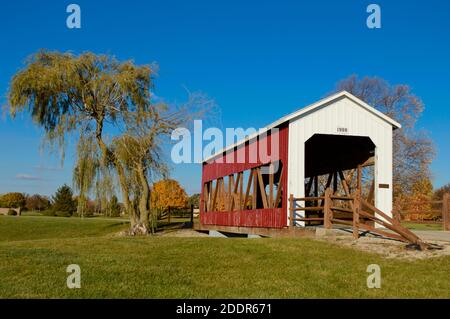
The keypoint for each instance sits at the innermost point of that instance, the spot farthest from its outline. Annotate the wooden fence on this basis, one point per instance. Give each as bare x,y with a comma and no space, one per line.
353,211
435,211
171,212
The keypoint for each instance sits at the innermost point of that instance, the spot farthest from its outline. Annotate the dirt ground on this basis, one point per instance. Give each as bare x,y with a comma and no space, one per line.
385,247
182,233
389,248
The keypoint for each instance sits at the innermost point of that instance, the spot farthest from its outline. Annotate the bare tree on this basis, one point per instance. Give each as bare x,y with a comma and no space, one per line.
413,149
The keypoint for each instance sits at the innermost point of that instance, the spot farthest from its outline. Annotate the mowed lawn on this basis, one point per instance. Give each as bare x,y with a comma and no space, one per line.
35,251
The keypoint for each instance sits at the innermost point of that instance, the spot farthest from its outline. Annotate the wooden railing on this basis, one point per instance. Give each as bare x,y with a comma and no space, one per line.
438,215
358,214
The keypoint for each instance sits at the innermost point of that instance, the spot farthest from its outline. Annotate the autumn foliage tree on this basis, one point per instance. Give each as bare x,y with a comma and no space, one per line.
37,202
13,200
413,149
168,192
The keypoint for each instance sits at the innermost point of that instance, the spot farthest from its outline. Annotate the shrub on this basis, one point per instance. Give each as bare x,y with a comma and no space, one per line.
63,214
48,212
12,212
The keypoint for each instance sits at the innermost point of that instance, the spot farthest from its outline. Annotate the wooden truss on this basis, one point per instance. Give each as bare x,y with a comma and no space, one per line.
228,194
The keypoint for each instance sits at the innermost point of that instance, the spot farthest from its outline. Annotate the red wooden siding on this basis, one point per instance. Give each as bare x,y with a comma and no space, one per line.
269,217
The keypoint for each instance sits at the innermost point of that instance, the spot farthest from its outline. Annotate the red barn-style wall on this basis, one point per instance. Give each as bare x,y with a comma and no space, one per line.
227,165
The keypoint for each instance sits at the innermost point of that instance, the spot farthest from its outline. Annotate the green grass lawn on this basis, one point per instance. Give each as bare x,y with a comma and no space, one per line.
35,251
423,226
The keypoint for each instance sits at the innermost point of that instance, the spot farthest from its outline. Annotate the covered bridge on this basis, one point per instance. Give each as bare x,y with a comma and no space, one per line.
338,144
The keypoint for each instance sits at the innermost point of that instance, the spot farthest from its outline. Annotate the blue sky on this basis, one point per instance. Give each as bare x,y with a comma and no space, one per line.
258,59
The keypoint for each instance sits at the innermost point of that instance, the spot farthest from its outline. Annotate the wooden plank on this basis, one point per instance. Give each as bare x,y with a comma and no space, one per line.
271,177
205,197
342,197
308,219
291,210
235,199
313,208
255,188
342,209
369,162
261,188
335,182
316,190
356,208
308,198
228,195
214,199
341,221
279,189
381,232
241,189
247,191
359,177
403,231
327,185
371,196
326,209
308,187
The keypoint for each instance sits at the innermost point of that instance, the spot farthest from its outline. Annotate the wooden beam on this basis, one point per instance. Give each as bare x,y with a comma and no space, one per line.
229,196
371,196
326,209
335,182
308,187
234,196
369,162
241,190
279,189
345,187
291,210
205,197
255,188
271,173
214,198
261,188
356,209
316,190
247,191
359,177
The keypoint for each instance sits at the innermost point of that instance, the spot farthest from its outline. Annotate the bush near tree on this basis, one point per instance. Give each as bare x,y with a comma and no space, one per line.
194,200
63,202
114,207
37,202
12,212
12,200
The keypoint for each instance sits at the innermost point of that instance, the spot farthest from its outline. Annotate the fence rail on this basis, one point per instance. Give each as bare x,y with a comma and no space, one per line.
432,215
358,214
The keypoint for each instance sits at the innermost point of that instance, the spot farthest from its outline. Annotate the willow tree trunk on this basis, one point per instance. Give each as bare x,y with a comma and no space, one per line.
109,156
144,201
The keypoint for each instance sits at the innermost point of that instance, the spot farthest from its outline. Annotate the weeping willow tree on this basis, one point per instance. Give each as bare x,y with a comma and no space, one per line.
140,154
86,170
88,95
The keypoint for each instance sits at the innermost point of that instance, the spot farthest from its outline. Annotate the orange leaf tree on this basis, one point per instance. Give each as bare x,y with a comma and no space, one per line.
168,192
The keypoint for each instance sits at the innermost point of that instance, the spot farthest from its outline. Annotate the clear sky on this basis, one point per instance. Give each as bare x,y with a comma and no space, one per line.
258,59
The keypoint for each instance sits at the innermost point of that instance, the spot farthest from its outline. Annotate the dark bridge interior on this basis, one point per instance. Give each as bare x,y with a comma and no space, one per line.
332,153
